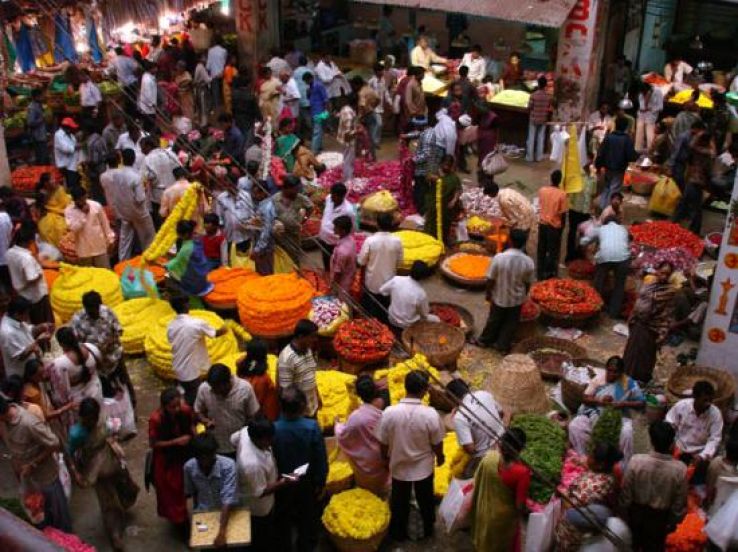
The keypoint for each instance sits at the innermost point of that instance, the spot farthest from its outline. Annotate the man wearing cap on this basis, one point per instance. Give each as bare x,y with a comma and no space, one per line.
66,151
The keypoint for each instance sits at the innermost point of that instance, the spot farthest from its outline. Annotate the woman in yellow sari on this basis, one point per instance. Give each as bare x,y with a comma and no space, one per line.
500,490
52,199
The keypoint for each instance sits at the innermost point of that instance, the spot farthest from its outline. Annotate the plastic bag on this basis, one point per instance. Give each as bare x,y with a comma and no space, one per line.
722,529
665,197
455,508
494,163
137,282
64,477
539,535
120,407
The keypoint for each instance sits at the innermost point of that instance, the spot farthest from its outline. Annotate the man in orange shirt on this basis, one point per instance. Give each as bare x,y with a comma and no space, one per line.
553,206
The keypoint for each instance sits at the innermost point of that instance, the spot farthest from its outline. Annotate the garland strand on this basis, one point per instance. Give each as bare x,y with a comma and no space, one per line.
439,216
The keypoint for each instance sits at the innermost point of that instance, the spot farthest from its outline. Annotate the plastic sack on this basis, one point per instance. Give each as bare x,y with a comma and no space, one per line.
462,231
455,508
539,535
120,407
494,163
64,476
722,529
137,282
665,197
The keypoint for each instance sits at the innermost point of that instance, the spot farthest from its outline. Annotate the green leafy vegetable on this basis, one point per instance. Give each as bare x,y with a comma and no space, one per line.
607,428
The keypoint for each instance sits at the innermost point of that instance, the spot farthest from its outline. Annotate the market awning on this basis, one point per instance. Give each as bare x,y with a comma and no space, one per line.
548,13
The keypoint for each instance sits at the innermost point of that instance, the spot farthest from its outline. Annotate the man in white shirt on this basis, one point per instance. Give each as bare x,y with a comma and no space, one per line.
90,97
66,151
424,56
216,62
131,139
290,95
650,104
19,340
675,70
411,435
408,299
378,83
147,97
190,358
258,477
6,233
380,255
477,408
158,174
336,205
698,424
476,64
27,275
278,64
331,77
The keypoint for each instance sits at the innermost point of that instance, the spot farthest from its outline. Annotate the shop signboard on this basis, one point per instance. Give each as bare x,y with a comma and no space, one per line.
719,341
256,26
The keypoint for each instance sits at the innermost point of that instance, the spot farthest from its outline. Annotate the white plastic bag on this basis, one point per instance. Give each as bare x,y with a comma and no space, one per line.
120,407
462,233
456,505
64,477
722,529
539,536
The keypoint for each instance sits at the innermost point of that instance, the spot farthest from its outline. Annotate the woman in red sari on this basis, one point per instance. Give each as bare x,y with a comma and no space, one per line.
171,427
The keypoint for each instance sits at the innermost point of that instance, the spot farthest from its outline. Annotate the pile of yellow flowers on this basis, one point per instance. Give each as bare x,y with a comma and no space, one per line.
453,467
159,350
396,376
380,202
338,470
478,224
135,317
167,234
356,514
336,390
684,96
74,281
418,246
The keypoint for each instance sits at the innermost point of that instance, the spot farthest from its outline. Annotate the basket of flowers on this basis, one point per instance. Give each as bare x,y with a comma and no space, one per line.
566,300
362,343
467,269
356,521
549,353
440,343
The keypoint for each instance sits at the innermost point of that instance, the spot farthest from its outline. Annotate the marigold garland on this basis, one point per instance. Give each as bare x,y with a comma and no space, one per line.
469,266
418,246
136,317
396,376
167,234
566,296
158,272
662,234
336,390
74,281
272,305
689,535
159,350
227,282
356,514
456,460
363,341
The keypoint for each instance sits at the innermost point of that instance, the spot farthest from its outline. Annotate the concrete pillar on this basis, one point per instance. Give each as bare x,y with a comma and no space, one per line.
257,26
4,165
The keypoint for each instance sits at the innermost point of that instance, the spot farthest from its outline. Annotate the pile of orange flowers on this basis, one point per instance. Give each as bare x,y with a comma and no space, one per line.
272,305
689,535
566,296
157,271
469,266
227,282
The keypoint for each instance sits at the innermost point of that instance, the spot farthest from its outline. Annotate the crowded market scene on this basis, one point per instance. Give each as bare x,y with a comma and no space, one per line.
358,276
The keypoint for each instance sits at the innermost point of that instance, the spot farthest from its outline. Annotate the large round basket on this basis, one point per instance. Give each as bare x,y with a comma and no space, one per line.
466,317
681,381
572,392
569,320
371,544
518,387
461,280
549,353
440,343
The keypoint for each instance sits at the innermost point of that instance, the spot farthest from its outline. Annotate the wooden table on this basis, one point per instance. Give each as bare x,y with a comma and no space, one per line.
238,532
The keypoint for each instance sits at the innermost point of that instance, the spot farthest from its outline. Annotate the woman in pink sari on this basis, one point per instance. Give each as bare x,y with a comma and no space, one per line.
357,439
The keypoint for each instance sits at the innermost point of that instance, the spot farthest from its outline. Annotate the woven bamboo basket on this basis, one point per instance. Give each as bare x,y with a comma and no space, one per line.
467,319
457,279
679,385
572,392
371,544
440,343
546,351
518,387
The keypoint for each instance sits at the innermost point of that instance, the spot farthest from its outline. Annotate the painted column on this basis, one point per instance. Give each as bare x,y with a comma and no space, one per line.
257,26
578,60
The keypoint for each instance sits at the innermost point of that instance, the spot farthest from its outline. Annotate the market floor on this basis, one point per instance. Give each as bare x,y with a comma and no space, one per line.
147,531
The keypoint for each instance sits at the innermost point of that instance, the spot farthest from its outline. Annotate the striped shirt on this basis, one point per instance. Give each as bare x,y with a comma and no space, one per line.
299,369
510,273
539,105
614,243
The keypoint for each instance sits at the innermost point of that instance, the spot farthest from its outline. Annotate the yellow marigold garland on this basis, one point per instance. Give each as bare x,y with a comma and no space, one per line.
272,305
74,281
396,376
135,317
336,390
167,234
419,246
456,460
356,514
439,210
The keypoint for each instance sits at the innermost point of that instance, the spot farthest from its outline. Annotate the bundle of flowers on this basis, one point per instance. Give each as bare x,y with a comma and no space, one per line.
379,202
662,234
453,467
689,535
564,296
158,272
67,541
338,471
136,317
580,269
24,179
363,341
74,281
681,258
227,282
395,376
328,313
272,305
166,237
159,350
448,314
356,514
470,266
418,246
336,390
478,225
476,203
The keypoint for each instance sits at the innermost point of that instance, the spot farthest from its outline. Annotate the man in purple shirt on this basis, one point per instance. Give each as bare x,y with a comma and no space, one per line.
343,258
318,96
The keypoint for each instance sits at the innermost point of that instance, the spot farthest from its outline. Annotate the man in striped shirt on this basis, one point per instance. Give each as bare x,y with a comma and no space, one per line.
296,365
508,281
539,108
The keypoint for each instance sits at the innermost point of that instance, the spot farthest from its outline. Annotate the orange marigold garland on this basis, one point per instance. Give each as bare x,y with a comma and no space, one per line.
363,341
157,271
564,296
272,305
689,535
227,282
470,266
662,234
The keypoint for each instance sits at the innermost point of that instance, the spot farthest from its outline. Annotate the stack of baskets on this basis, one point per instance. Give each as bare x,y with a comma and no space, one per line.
549,353
517,386
440,343
681,381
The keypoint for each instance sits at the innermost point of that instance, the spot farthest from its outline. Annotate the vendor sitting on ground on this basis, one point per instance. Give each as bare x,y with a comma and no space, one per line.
188,269
614,390
699,428
408,299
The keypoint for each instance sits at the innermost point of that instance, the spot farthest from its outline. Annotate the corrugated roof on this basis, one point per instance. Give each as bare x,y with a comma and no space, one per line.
548,13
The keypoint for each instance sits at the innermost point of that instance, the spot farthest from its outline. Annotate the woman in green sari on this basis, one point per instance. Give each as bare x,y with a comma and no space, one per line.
442,204
287,144
500,490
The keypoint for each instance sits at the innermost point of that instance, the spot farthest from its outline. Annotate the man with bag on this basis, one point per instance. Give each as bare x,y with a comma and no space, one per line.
616,151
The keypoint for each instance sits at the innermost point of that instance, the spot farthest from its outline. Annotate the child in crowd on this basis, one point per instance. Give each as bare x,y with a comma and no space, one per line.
212,241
